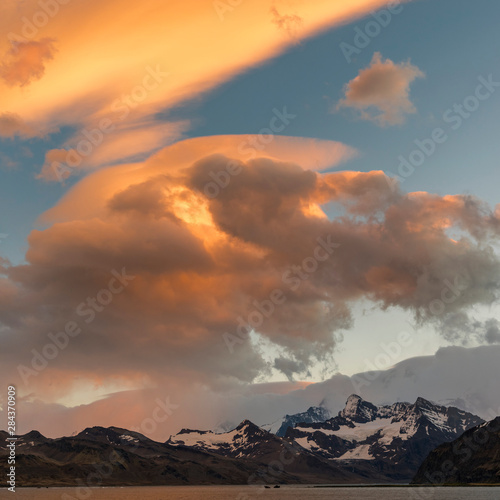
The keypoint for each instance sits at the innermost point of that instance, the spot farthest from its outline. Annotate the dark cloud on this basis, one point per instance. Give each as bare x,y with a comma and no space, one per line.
492,333
461,328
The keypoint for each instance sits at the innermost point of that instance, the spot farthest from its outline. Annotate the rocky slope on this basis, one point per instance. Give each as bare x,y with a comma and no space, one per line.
473,458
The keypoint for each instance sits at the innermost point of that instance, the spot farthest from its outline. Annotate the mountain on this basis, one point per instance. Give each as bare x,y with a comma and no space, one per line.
473,458
115,456
250,442
391,440
312,415
364,443
245,441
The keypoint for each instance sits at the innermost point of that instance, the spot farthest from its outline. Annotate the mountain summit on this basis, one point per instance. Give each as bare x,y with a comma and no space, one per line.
358,410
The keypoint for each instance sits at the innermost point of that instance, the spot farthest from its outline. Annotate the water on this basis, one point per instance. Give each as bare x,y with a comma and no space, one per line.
251,493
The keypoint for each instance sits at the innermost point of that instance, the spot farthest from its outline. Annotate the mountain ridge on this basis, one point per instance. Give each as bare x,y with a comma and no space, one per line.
394,438
364,443
472,458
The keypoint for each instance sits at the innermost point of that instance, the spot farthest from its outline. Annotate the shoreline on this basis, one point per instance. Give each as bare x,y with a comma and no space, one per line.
314,486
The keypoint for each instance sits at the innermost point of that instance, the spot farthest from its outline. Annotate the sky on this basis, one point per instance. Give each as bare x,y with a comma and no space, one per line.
223,199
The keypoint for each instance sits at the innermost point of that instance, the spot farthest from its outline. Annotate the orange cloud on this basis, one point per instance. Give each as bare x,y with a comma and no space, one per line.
312,154
199,264
12,125
25,61
289,23
149,56
117,141
381,92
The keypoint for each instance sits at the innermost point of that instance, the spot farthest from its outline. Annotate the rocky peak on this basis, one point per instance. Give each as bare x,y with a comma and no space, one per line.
248,428
358,410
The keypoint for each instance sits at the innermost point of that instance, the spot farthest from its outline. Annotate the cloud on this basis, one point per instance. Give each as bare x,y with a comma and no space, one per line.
460,328
492,333
128,141
381,92
202,265
25,61
7,163
121,141
55,166
291,24
12,125
456,376
137,77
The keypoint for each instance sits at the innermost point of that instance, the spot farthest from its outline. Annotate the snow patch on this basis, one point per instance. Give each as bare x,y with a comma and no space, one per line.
126,437
361,452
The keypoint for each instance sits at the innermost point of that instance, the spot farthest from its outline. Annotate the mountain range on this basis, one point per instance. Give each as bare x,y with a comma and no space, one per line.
101,456
363,443
386,443
392,439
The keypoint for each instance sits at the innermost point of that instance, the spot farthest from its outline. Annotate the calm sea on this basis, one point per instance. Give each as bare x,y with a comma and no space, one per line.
251,493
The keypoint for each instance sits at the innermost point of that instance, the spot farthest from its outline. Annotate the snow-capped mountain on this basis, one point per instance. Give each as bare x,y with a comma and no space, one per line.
312,415
246,455
364,443
395,438
125,458
247,440
385,442
251,444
